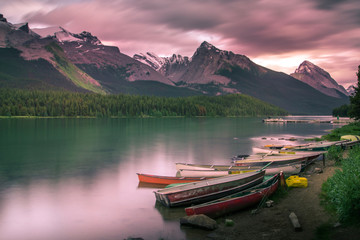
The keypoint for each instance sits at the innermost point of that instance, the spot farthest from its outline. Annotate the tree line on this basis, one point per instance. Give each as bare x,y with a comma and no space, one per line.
16,102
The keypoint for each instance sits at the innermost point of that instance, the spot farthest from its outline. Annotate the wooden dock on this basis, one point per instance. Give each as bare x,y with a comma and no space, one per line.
332,121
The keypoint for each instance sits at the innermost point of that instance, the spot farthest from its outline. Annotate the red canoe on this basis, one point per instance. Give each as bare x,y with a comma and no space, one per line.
166,180
237,201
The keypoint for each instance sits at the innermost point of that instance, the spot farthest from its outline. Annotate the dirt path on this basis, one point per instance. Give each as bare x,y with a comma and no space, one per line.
274,223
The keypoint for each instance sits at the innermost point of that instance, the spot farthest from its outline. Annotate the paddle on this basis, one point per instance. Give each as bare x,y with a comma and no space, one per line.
268,153
265,166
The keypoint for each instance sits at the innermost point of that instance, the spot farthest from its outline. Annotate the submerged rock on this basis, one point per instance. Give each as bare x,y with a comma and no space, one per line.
200,221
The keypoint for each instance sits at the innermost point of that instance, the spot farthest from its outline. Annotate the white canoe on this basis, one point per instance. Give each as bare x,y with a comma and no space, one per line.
259,160
288,169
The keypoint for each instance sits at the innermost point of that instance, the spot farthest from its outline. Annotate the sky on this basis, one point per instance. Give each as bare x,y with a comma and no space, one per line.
276,34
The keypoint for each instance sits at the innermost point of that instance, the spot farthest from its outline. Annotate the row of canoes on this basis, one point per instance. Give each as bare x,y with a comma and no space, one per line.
289,164
345,142
209,182
215,190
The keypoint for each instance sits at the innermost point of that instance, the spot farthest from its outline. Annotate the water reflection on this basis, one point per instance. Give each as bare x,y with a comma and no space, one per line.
76,178
170,214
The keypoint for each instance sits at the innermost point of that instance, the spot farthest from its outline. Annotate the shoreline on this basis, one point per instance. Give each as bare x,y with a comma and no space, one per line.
273,223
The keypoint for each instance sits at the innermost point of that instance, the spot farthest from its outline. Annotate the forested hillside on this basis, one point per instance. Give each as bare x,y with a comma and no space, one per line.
67,104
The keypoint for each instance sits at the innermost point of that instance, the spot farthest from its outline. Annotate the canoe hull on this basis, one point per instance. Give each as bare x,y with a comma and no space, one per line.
207,190
278,161
166,180
286,169
319,146
209,172
237,201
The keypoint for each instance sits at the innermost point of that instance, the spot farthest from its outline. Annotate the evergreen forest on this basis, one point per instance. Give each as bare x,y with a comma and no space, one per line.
16,102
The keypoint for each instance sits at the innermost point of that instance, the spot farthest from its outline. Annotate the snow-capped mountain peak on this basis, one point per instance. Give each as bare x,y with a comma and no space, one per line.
158,63
150,59
65,36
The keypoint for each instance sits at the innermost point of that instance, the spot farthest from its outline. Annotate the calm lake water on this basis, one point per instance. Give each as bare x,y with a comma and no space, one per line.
75,179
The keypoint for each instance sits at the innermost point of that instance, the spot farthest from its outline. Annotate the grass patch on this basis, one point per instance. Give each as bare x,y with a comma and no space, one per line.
335,153
77,76
350,129
341,192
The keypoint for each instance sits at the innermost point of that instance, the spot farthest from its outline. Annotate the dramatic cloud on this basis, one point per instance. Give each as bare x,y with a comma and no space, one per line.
276,34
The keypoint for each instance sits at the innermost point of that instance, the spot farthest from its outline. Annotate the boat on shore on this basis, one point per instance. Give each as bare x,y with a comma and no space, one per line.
210,172
317,146
277,152
277,160
167,180
207,190
237,201
220,170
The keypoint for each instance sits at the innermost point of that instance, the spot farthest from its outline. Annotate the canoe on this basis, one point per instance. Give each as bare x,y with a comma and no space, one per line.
318,146
277,152
270,152
237,201
166,180
193,166
255,160
287,169
207,190
209,172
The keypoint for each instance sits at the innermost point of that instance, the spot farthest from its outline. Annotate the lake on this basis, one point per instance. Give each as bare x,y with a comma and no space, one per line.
76,178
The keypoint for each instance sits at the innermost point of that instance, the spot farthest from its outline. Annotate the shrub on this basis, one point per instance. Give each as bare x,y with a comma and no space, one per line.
342,190
335,153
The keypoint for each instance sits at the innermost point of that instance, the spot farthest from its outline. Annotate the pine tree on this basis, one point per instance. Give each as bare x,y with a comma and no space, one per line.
354,111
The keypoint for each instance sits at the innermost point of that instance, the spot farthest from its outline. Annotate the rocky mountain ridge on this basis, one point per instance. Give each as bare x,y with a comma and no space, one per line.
319,79
170,67
83,63
216,72
351,90
81,58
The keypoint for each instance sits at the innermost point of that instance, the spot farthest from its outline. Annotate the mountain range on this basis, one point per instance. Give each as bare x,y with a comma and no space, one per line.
34,59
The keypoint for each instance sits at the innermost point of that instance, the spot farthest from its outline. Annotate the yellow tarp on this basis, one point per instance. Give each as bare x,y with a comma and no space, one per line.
296,181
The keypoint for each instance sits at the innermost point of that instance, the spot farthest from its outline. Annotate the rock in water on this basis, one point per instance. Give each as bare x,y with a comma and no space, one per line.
200,221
